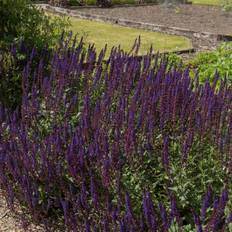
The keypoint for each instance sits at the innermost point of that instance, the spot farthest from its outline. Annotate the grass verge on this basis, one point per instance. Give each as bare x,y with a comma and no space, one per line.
207,2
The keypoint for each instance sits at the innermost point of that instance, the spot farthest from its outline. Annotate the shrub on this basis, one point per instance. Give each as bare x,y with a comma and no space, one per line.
23,27
121,2
226,5
104,3
208,63
74,3
125,145
22,21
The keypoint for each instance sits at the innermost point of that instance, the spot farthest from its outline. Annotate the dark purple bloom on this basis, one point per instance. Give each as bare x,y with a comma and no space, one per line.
165,154
197,222
206,202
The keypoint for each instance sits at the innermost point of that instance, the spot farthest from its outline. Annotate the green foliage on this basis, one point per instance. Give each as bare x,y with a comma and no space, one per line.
22,27
74,3
145,174
121,2
22,21
174,60
208,63
226,5
188,181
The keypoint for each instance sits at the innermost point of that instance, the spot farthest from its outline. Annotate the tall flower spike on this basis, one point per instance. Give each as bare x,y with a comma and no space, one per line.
164,217
206,203
197,222
165,154
148,211
94,193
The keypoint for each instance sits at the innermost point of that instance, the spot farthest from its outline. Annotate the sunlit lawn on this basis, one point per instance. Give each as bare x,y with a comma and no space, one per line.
101,33
207,2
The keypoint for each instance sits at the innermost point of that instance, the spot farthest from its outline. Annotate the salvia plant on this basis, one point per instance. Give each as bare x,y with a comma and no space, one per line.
123,143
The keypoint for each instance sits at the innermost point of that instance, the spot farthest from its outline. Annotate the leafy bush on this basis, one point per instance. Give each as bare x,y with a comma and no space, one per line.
11,67
226,5
123,145
22,21
208,63
23,27
121,2
74,3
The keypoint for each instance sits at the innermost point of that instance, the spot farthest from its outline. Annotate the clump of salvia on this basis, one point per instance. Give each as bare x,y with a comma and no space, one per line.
87,127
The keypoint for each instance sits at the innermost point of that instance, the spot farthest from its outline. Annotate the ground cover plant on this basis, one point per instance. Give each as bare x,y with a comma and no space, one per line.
129,144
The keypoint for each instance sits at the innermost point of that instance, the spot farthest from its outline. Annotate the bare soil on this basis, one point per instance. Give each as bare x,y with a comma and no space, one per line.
193,17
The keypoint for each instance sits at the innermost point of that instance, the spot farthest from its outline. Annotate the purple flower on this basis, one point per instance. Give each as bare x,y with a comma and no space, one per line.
94,192
197,222
206,203
165,154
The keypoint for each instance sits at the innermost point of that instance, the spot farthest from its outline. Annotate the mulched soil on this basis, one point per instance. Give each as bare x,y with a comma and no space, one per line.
194,17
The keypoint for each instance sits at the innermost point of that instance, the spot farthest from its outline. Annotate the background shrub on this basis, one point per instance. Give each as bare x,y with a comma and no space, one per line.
226,5
23,27
208,63
22,21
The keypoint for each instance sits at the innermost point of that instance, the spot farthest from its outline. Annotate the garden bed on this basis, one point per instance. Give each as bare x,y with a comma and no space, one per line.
127,143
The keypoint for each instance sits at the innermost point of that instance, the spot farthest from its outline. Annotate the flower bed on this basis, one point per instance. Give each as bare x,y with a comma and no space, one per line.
127,145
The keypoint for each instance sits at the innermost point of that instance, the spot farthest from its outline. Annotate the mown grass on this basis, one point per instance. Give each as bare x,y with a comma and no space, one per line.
101,33
207,2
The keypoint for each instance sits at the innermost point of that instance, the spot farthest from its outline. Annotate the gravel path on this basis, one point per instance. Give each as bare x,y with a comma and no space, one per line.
194,17
10,223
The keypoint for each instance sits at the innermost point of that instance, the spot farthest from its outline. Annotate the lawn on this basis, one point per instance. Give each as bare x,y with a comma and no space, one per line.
207,2
104,33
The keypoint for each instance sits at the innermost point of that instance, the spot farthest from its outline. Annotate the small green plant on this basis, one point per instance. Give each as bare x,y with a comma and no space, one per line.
208,63
226,5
